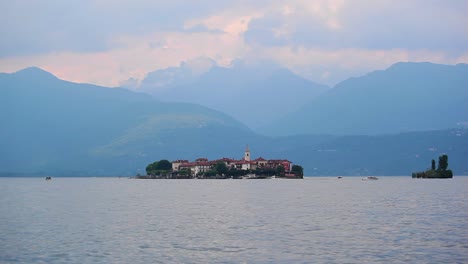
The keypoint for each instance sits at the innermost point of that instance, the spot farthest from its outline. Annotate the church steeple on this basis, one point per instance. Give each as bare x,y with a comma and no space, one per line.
247,154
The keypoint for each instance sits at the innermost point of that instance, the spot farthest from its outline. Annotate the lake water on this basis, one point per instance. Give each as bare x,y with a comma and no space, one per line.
315,220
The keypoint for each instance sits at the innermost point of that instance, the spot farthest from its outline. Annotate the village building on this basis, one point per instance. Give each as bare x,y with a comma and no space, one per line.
176,164
202,165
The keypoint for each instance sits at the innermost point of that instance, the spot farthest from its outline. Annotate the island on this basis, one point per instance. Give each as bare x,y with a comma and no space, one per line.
440,173
224,168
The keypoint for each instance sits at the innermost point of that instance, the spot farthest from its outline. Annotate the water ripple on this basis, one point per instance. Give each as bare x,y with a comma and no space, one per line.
109,220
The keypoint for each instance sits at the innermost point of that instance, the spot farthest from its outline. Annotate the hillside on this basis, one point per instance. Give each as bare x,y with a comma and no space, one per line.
396,154
405,97
255,95
54,126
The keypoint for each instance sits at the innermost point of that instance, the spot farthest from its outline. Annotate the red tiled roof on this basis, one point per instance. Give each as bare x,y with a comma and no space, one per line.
278,160
225,159
203,164
191,164
180,161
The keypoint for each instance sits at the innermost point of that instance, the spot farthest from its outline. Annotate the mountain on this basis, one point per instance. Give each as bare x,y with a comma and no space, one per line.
395,154
405,97
253,94
54,126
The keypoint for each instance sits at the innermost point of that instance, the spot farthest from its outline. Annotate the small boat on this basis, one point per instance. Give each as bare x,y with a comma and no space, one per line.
249,176
340,177
48,178
370,178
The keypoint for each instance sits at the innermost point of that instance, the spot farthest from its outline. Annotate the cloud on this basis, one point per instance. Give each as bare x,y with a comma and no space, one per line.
331,66
36,27
108,41
412,25
202,28
136,56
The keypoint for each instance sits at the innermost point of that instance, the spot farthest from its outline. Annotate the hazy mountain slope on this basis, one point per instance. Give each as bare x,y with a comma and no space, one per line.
397,154
255,95
53,125
405,97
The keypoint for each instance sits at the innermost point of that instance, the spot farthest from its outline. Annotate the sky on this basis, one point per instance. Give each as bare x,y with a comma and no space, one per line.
107,42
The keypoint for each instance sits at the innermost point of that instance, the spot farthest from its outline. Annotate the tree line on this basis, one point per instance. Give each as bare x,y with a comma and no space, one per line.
441,171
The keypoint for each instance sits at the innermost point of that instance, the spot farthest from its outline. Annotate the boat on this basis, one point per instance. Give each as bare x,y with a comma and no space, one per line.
48,178
250,176
340,177
370,178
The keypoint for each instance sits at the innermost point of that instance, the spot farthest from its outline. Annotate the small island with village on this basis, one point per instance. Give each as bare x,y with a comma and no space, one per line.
224,168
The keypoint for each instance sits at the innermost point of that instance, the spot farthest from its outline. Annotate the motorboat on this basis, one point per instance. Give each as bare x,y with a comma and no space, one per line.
370,178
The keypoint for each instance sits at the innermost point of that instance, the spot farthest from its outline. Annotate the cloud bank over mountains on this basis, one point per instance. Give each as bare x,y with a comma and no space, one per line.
106,42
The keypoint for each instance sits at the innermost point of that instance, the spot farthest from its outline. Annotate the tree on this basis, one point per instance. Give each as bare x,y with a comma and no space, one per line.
185,172
235,173
210,173
164,165
297,170
443,162
221,168
280,170
158,166
441,172
151,168
268,171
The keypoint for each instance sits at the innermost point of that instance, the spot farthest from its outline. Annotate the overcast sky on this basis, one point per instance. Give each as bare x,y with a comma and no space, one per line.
108,41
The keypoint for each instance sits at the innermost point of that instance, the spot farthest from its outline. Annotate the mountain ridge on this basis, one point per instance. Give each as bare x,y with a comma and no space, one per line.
51,124
34,72
405,97
253,94
59,128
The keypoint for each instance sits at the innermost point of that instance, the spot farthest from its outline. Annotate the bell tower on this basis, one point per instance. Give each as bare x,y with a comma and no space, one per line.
247,154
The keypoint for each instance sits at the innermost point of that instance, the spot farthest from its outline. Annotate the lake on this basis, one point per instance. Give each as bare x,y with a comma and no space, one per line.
315,220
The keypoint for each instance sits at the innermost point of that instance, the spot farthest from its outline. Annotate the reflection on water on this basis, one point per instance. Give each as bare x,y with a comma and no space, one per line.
112,220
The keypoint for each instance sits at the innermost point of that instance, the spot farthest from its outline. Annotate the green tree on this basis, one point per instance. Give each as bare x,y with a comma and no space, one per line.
280,170
221,168
297,170
158,166
210,173
433,165
448,174
232,172
164,165
268,171
443,162
185,172
151,168
235,173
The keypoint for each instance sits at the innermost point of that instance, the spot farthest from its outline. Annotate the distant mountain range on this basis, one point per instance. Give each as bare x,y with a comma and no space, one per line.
255,94
54,127
395,154
405,97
